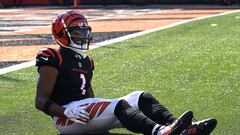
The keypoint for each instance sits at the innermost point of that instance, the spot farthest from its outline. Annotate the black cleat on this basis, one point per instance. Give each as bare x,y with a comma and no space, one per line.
177,127
203,127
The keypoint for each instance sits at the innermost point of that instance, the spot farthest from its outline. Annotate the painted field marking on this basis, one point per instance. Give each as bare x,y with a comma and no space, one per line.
214,24
108,42
104,43
17,67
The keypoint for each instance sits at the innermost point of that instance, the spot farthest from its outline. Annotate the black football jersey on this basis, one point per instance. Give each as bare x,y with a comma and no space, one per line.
74,74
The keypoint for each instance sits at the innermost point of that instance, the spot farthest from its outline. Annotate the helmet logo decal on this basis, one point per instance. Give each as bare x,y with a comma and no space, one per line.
82,24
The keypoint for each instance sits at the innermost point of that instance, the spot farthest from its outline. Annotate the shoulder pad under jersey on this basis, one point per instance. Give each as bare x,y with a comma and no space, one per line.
49,57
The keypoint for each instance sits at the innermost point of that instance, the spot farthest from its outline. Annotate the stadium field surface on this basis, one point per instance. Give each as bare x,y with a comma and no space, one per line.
194,66
25,30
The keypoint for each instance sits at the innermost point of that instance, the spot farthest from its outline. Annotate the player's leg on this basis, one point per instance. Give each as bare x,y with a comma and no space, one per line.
203,127
137,122
151,107
133,98
157,112
102,117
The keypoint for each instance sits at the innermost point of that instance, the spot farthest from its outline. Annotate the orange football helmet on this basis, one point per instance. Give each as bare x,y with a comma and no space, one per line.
70,29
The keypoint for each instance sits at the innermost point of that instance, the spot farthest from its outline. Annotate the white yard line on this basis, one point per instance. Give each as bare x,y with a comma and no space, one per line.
108,42
17,67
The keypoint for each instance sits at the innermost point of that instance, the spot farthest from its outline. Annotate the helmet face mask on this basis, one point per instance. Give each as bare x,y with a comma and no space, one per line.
80,35
70,30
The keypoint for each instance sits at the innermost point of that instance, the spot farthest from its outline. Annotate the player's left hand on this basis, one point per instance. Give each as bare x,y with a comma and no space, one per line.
77,114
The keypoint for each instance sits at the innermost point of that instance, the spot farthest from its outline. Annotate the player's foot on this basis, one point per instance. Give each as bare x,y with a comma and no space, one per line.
177,127
203,127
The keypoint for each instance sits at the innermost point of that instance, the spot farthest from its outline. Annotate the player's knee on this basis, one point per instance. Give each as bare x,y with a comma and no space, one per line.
147,97
124,112
121,106
147,100
128,116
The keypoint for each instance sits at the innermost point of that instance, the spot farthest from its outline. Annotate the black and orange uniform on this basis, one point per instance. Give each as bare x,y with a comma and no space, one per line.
75,73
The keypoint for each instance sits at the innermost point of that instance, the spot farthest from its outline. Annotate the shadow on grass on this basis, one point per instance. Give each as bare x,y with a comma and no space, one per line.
105,134
114,134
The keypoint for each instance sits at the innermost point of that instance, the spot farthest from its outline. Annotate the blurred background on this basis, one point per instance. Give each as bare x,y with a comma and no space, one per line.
11,3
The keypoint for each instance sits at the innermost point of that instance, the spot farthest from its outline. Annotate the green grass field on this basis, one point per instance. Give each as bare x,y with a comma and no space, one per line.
189,67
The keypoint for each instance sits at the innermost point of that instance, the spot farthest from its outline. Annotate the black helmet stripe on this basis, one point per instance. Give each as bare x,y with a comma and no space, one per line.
75,20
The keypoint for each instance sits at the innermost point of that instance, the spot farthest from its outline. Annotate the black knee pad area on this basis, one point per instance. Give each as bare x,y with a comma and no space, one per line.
124,111
146,97
128,116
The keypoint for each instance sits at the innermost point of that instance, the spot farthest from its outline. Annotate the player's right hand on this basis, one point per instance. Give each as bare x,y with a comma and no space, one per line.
77,114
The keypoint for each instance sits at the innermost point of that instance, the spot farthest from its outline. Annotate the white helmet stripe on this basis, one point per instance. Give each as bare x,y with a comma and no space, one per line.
65,27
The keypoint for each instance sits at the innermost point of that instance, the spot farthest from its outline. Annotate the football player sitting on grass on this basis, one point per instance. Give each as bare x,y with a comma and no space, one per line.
64,91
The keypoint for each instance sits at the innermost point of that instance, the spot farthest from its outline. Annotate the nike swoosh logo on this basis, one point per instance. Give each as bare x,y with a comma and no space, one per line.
45,58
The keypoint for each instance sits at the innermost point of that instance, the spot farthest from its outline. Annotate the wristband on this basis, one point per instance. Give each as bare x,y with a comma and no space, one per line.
46,106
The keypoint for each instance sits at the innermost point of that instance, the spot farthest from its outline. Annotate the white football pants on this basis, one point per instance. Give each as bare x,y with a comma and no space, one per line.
102,116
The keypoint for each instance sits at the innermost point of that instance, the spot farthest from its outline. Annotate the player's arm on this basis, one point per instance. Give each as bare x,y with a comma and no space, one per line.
90,92
46,82
45,85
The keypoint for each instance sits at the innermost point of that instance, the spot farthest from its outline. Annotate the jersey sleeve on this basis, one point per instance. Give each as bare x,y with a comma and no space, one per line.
48,57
